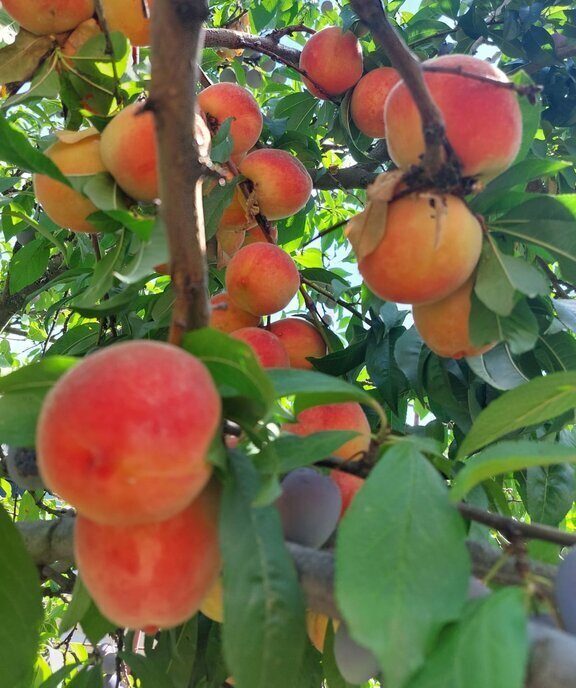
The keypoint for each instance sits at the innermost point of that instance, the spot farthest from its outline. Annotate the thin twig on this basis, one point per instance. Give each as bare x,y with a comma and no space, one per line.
324,232
340,302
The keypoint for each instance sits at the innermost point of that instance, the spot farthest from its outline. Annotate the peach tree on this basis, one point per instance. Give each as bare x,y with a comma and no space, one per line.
288,354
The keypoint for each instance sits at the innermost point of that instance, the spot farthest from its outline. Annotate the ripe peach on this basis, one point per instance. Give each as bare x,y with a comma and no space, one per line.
49,16
368,98
332,58
430,247
234,215
226,317
128,17
221,101
483,122
443,325
213,604
344,416
269,350
63,205
128,148
262,279
256,234
154,574
301,340
282,184
348,485
124,435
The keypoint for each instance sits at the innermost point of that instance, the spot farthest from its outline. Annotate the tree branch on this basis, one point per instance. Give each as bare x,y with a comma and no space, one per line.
176,46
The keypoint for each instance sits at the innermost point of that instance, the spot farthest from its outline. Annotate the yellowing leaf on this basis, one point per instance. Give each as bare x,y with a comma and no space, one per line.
19,60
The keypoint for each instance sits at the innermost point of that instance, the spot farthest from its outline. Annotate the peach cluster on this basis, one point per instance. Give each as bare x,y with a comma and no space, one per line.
124,437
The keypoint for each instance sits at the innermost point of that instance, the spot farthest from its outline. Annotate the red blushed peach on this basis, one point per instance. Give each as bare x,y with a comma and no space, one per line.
443,325
128,17
345,416
49,16
483,122
332,59
282,184
151,575
348,485
431,245
256,234
226,317
128,149
63,205
124,435
368,98
301,340
268,348
221,101
262,279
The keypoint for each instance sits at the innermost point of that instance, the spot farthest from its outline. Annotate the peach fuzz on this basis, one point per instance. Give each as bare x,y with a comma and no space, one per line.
368,99
44,17
443,325
151,575
226,317
262,279
128,148
282,184
344,416
268,349
430,247
348,485
332,59
483,122
124,435
301,340
63,205
221,101
128,17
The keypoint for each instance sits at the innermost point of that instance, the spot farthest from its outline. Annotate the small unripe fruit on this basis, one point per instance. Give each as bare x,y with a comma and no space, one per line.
332,58
282,184
151,575
262,279
269,350
430,247
124,435
301,340
63,205
368,99
44,17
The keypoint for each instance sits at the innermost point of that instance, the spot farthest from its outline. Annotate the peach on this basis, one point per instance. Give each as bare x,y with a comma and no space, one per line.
213,604
301,340
152,575
226,317
124,435
443,325
128,149
332,59
282,185
262,279
431,245
221,101
49,16
128,17
483,122
256,234
348,485
234,215
229,243
343,416
368,98
269,350
75,156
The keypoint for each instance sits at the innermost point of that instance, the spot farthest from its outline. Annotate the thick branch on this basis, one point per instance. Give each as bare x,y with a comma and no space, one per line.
176,45
226,38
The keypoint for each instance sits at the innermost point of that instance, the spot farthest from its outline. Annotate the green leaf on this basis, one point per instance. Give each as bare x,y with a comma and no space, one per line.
21,605
245,389
20,59
37,377
497,368
215,203
28,264
150,675
535,402
264,632
95,624
393,587
222,143
16,149
88,677
519,330
525,171
531,113
55,681
333,677
297,108
77,607
501,277
506,457
549,493
488,648
175,652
